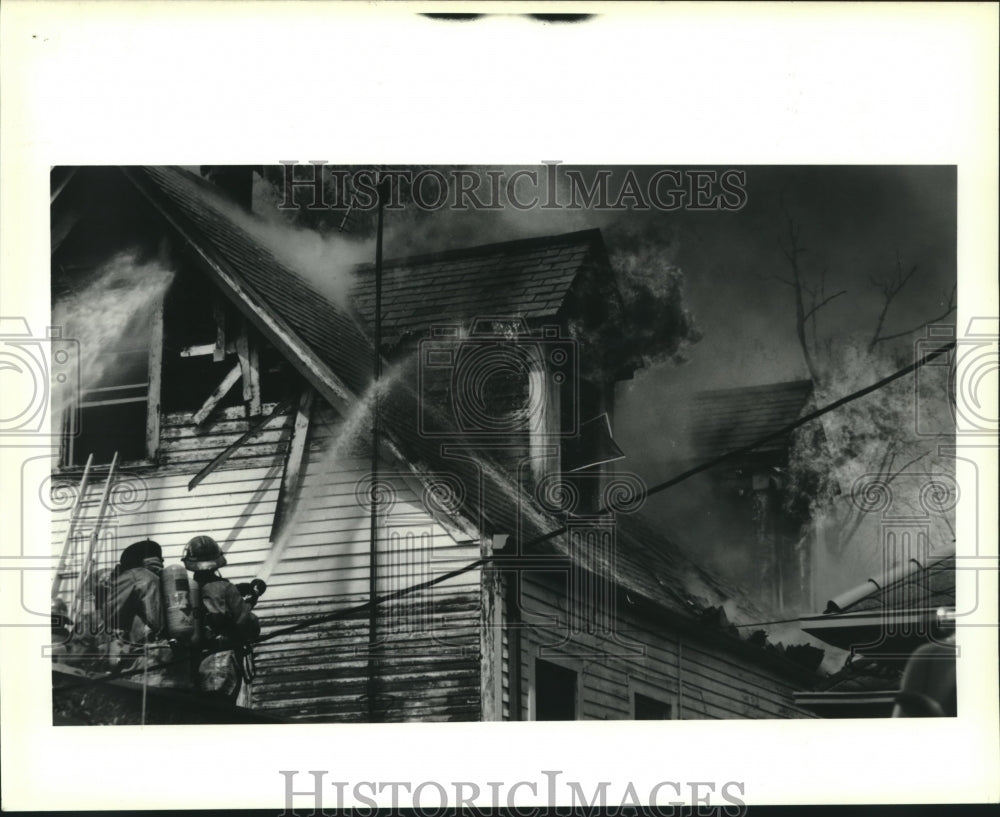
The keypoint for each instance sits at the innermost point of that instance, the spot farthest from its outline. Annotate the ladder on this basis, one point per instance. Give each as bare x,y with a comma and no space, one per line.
95,535
71,529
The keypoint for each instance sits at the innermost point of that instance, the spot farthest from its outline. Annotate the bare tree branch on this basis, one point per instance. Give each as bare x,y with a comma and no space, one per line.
891,286
947,311
823,303
793,253
913,461
777,278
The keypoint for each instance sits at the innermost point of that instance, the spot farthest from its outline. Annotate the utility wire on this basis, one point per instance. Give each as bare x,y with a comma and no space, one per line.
405,591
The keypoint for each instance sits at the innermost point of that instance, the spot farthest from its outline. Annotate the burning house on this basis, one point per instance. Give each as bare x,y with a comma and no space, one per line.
750,492
451,541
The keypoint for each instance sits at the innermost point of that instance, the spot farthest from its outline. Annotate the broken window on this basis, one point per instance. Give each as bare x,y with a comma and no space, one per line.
555,692
209,346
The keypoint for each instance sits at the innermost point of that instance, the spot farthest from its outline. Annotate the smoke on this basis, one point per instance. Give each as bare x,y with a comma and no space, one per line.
657,322
113,307
326,260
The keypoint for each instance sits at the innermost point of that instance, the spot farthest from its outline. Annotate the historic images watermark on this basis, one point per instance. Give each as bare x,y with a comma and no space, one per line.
315,187
434,798
41,367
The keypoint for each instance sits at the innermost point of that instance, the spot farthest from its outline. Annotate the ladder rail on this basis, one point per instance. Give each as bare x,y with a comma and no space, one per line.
95,535
71,529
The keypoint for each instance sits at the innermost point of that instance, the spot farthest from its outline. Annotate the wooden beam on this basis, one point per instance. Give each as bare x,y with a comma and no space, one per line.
216,396
291,478
246,350
253,431
511,583
491,640
155,379
205,349
291,481
269,323
219,313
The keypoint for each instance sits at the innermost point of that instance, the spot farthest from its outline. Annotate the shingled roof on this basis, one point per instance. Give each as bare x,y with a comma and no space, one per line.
529,278
287,308
329,347
725,419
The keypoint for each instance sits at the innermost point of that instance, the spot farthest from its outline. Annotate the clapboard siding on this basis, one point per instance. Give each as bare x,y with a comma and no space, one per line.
428,663
698,678
430,673
234,504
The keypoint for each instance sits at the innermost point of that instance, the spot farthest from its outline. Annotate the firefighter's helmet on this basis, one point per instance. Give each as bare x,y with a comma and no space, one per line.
135,554
203,553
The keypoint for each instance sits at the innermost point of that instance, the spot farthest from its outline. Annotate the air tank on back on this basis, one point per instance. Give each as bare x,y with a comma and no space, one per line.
178,604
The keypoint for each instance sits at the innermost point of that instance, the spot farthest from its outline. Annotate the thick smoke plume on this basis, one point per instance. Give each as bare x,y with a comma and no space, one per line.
658,324
326,260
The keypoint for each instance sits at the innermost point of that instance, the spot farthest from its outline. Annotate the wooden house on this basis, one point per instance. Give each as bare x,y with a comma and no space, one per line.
237,396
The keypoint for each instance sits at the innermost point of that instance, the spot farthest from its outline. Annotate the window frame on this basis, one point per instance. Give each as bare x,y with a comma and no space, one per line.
154,371
572,664
660,695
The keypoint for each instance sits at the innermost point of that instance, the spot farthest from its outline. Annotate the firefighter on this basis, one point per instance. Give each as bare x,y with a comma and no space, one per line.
228,626
134,603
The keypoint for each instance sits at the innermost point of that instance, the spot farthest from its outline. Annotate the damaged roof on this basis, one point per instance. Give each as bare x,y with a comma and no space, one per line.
331,350
529,278
335,354
722,420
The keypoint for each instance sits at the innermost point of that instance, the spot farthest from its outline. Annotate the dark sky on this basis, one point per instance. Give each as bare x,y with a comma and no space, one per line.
853,221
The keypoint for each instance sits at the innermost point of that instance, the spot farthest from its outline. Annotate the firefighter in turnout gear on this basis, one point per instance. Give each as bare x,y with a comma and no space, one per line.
134,604
227,625
135,621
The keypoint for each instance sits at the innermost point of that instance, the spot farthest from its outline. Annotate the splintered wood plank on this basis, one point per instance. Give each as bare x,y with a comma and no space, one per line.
202,349
155,380
296,451
246,350
228,452
291,479
219,313
216,396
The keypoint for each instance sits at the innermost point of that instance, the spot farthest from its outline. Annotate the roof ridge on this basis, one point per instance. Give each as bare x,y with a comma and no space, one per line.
483,249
